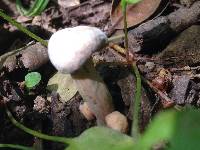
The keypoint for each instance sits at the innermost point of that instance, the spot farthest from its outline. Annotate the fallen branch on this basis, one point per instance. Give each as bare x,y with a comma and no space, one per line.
161,29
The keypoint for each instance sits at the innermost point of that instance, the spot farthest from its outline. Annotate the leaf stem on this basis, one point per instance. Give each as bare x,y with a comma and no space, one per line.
23,29
136,105
15,146
135,125
126,33
38,134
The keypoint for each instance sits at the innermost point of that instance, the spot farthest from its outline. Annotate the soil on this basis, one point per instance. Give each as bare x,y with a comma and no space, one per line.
42,110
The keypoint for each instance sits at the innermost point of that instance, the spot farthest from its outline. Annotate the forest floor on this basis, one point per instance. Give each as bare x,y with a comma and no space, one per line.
164,41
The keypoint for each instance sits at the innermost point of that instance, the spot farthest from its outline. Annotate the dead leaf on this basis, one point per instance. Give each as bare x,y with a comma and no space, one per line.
34,56
64,85
68,3
136,13
6,55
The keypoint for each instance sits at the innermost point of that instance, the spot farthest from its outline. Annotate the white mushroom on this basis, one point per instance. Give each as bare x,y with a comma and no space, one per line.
117,121
70,52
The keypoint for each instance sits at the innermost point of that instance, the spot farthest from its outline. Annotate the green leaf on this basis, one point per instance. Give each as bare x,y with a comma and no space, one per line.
180,129
37,7
187,131
32,79
161,128
132,1
125,2
102,138
123,5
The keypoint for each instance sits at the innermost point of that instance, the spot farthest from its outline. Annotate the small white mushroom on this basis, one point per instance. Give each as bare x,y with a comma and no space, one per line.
70,52
117,121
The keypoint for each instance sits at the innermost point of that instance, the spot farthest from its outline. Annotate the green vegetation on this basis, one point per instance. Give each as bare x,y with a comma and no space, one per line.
35,9
180,129
32,79
136,105
21,28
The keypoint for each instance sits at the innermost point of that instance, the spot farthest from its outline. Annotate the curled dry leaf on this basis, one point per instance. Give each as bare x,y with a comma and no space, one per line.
31,57
163,81
6,55
63,85
34,56
136,13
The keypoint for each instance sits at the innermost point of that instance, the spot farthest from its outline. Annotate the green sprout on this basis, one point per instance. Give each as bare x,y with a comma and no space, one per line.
32,80
124,4
35,9
135,128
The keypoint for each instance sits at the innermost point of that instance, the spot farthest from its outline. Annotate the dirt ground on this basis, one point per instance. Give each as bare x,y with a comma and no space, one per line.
165,46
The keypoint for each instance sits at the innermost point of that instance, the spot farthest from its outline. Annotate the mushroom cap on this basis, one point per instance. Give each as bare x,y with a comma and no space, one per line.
69,48
117,121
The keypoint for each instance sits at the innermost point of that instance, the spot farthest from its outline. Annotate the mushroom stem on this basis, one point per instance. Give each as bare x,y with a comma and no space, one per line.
93,90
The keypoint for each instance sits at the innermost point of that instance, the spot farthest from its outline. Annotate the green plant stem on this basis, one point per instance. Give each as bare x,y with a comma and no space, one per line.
23,29
15,147
38,134
135,125
126,33
136,105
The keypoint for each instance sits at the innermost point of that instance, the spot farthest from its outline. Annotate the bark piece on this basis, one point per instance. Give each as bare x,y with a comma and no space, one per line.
184,50
178,93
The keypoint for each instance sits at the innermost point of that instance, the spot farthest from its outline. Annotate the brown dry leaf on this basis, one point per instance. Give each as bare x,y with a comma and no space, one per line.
136,13
6,55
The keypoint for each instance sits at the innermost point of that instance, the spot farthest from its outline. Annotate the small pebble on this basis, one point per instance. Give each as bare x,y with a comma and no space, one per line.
150,65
